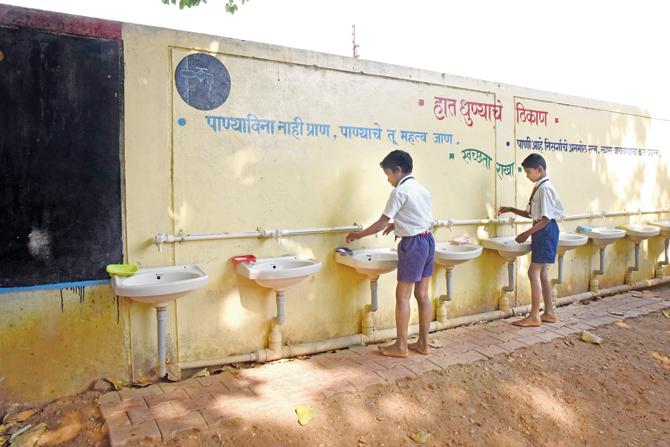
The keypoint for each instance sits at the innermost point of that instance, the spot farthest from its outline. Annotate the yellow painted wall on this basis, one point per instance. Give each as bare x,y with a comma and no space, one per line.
193,179
200,181
54,343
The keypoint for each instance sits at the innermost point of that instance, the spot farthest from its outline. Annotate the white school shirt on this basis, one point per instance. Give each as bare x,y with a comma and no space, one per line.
410,207
545,202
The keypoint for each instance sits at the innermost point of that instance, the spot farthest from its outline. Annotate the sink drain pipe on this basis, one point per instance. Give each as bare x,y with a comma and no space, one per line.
161,318
441,315
281,312
557,281
659,268
374,304
288,351
593,285
368,321
504,299
450,276
636,267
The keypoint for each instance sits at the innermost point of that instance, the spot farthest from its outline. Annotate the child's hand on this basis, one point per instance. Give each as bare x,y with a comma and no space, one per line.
522,237
390,227
353,236
503,210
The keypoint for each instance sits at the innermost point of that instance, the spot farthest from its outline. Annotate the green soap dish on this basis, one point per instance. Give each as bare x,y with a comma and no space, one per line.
122,269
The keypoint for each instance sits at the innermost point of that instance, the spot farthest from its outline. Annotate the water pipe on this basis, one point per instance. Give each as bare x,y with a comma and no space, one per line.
281,313
504,300
368,321
559,280
441,314
636,267
162,238
659,268
593,285
374,304
449,275
161,317
502,221
378,336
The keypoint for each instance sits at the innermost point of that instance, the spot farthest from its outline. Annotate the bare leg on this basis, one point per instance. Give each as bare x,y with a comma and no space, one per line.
549,316
399,348
425,315
533,319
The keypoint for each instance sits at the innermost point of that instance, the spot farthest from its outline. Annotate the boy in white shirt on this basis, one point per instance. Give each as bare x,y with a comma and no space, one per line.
410,207
544,207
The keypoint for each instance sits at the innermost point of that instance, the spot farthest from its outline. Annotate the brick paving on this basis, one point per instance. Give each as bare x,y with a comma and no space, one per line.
161,411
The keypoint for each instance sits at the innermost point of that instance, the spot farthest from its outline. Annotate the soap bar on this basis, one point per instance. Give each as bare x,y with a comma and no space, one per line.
344,251
461,240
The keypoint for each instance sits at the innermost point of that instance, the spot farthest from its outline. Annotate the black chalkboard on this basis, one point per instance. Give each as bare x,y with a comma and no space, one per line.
61,103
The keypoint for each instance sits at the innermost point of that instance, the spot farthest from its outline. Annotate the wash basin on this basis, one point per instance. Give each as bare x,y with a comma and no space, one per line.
568,241
639,232
664,227
371,262
449,255
160,285
507,247
280,272
601,236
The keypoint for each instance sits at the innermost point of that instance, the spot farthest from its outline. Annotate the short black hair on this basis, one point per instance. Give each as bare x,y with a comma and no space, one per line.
534,161
398,159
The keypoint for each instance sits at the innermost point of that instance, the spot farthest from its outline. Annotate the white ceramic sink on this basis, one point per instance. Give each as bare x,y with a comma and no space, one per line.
280,272
371,262
601,236
569,241
507,247
449,255
664,226
639,232
160,285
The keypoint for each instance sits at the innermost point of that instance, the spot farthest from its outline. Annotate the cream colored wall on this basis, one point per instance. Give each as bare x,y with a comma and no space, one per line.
193,179
56,342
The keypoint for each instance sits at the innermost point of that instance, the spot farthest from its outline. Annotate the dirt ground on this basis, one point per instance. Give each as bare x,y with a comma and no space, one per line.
562,393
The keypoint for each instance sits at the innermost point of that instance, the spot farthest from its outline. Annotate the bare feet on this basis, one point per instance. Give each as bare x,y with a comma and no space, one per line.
548,318
419,347
392,351
528,322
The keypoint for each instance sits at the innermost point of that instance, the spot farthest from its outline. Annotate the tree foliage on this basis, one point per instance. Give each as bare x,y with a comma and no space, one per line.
231,5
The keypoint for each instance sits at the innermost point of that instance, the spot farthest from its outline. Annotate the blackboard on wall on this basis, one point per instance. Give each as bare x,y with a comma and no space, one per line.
61,100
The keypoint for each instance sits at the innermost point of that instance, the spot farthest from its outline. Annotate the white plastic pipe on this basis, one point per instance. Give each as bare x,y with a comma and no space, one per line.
510,278
601,270
667,245
636,267
161,317
450,277
559,280
374,303
161,238
281,312
516,221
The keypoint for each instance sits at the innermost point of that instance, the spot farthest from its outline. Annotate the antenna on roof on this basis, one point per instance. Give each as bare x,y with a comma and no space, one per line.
353,41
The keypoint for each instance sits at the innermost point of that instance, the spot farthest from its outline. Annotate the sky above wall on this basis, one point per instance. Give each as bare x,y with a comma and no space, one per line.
609,50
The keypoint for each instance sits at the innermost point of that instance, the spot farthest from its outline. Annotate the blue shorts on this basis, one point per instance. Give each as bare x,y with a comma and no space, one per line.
416,255
544,244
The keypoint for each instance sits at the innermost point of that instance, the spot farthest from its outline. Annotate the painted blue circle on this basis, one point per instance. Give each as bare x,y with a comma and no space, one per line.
202,81
181,121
